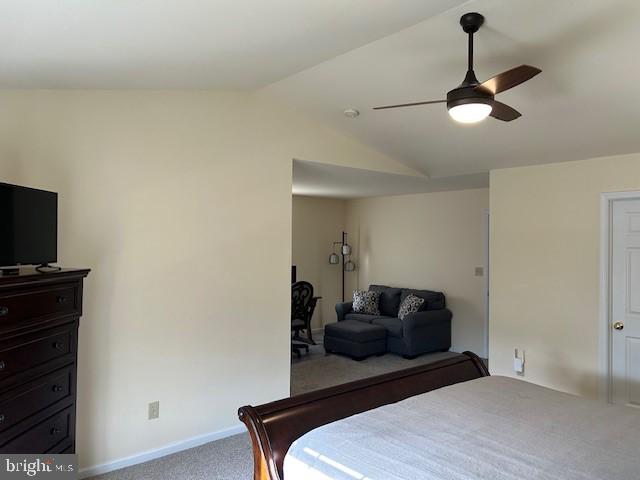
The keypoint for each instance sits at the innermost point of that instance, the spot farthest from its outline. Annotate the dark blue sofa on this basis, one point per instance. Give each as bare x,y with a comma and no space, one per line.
428,330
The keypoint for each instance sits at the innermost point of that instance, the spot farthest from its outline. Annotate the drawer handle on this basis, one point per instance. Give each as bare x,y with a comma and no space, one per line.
61,299
57,388
1,418
2,365
55,431
4,311
58,345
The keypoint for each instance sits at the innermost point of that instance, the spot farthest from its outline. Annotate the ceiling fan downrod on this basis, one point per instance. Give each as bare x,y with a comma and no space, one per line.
471,23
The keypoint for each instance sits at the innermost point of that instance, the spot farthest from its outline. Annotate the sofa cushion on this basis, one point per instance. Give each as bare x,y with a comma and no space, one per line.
432,300
360,317
410,304
392,325
389,299
355,331
366,302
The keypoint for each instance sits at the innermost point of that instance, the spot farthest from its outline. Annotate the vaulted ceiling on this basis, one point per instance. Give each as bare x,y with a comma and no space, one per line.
584,104
230,44
323,56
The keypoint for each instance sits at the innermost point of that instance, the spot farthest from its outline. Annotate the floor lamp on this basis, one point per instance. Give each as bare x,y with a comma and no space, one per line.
345,253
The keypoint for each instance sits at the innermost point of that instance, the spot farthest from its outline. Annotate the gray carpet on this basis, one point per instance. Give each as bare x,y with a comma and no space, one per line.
318,370
226,459
230,458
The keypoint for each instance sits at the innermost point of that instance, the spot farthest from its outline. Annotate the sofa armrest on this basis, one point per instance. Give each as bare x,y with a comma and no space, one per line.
426,318
428,331
342,309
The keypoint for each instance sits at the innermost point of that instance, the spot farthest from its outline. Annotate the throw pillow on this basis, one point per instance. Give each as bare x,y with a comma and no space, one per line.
410,304
366,302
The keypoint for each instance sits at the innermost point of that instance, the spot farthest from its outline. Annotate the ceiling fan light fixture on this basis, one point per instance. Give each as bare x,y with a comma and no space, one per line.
473,101
470,112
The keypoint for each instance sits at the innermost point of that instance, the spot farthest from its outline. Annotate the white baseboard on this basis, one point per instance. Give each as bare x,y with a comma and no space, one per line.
160,452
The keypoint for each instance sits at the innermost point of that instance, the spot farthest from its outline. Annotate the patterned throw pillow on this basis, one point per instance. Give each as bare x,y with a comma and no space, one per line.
411,304
366,302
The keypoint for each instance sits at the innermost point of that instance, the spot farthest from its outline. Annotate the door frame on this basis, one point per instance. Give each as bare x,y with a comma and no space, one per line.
487,273
605,338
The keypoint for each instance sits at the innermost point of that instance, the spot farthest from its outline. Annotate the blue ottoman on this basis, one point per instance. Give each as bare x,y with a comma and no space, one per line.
356,339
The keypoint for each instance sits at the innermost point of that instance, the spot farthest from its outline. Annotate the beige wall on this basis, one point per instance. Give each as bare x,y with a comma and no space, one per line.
545,273
432,241
317,223
180,203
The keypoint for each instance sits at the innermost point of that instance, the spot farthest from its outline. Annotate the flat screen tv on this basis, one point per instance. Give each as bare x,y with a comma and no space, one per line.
28,226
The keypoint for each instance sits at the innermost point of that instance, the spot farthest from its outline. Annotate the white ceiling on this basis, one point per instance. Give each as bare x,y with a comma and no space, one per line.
322,56
232,44
325,180
583,105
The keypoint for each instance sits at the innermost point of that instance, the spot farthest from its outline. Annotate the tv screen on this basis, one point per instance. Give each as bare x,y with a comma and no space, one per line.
28,226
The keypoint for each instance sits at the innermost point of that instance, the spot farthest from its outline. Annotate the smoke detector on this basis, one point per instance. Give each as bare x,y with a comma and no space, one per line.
351,113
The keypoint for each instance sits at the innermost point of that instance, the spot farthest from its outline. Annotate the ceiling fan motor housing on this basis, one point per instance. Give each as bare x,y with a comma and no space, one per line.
471,22
467,92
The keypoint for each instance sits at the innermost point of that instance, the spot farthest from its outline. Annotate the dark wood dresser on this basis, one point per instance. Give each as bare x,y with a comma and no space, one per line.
39,315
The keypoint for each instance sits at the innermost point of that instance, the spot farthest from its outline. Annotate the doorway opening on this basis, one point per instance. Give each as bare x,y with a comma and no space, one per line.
415,251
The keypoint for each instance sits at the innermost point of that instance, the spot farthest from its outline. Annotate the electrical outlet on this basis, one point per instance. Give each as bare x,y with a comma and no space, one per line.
154,410
479,272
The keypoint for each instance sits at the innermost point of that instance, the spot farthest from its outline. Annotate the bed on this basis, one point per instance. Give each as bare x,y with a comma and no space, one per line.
447,420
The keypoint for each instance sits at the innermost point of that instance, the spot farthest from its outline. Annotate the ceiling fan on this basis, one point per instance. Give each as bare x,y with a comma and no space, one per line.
472,101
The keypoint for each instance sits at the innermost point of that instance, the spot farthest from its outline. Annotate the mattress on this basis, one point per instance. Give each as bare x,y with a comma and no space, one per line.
494,428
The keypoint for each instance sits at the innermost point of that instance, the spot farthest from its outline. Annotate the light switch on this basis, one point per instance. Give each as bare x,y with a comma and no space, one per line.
479,271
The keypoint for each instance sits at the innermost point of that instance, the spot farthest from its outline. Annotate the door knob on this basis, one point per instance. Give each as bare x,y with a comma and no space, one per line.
618,326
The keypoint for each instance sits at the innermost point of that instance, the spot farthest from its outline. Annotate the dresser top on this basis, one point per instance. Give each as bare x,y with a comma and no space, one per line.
30,274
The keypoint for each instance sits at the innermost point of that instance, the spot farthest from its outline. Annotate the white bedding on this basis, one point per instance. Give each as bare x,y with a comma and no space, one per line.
494,428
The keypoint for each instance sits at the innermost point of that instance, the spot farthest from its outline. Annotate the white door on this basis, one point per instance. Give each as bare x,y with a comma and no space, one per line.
625,303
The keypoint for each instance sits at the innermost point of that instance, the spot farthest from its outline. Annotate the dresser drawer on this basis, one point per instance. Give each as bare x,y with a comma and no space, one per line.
34,397
44,437
67,449
25,306
30,351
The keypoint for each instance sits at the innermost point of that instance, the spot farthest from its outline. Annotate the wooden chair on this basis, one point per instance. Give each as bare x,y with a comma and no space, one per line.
303,304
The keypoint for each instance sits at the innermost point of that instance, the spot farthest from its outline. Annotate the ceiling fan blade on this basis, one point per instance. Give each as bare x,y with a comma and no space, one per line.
410,104
504,112
509,79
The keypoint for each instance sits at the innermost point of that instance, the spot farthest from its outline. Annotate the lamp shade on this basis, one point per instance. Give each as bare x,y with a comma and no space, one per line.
349,266
346,249
334,259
